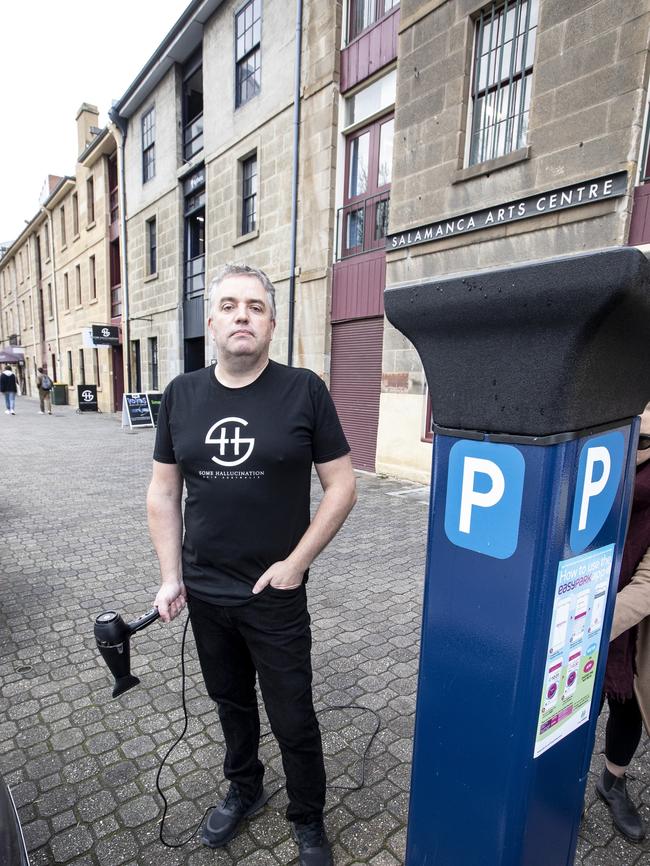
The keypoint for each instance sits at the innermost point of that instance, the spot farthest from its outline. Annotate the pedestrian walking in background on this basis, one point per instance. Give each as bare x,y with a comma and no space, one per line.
627,675
44,385
243,436
9,387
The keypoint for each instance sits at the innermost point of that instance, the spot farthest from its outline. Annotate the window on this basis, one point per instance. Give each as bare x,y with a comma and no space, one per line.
363,13
378,96
92,274
194,252
82,368
77,276
135,365
152,251
96,366
70,372
363,220
90,200
148,145
39,266
47,242
504,49
249,195
113,200
62,212
153,362
50,305
115,278
66,291
192,107
248,35
75,214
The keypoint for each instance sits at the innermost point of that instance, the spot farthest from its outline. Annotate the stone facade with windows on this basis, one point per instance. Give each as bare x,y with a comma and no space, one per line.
57,274
468,139
228,97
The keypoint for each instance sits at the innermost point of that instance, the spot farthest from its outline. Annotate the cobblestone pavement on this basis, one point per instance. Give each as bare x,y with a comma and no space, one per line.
83,766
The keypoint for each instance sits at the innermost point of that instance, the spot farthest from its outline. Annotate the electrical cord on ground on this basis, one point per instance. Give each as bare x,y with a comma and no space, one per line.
356,787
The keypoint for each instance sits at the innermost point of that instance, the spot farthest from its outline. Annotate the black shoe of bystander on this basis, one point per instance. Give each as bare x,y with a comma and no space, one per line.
624,813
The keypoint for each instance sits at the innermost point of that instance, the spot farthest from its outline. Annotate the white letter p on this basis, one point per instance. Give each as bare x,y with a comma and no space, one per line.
591,488
471,497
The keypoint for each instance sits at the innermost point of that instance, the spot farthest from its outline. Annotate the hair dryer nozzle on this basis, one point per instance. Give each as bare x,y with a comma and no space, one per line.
113,635
124,684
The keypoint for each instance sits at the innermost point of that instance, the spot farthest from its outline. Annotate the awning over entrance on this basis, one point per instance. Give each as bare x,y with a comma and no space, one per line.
11,355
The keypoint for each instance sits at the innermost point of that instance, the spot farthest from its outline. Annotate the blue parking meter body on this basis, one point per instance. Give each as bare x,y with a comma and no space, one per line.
536,375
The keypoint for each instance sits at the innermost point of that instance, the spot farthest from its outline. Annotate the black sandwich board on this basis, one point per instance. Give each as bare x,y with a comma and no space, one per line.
141,410
154,398
87,398
136,411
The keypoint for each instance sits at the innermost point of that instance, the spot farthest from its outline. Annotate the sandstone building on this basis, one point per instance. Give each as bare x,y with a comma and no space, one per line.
62,275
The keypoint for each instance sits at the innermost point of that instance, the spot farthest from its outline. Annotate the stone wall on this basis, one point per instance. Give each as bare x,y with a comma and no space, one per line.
587,111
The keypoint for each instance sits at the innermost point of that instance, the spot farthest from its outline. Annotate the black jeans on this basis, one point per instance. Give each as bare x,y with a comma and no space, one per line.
270,635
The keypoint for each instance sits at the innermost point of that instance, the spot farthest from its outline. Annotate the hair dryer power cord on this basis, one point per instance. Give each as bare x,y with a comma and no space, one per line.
356,787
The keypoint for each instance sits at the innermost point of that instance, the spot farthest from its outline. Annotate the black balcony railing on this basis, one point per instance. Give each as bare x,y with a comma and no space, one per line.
362,225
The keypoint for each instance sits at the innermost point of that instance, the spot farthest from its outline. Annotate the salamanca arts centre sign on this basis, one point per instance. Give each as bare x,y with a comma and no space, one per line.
585,192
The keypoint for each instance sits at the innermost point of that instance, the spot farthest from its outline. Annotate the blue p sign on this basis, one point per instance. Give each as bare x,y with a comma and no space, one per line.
599,473
485,484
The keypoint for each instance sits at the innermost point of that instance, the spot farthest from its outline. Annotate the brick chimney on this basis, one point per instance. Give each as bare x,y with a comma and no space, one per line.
87,117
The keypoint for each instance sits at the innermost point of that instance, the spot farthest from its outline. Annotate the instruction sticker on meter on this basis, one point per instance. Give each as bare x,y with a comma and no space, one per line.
574,641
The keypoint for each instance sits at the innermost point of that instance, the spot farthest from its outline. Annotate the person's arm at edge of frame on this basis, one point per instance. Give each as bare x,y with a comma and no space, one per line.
165,520
339,496
633,601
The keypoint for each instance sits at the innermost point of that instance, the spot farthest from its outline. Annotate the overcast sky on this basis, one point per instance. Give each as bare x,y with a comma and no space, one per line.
54,55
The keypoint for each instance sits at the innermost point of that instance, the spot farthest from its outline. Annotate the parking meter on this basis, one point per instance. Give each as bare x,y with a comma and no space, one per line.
536,373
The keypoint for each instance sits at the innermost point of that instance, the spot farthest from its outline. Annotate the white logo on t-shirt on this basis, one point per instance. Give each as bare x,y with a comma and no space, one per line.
235,441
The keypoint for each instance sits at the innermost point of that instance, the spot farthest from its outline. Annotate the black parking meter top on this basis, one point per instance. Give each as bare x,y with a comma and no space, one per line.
533,349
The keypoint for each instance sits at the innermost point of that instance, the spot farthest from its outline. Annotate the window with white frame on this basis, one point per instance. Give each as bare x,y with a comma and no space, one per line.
249,194
148,124
248,55
504,50
364,13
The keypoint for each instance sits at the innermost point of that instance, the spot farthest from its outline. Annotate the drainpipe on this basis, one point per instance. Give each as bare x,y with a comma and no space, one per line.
50,222
294,181
122,125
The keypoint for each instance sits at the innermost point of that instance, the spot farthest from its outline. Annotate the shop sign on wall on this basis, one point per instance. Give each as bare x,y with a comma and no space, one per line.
586,192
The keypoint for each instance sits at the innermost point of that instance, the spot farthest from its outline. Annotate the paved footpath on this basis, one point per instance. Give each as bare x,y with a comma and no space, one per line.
83,766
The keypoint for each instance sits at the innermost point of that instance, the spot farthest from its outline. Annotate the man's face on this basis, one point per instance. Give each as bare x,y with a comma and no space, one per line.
240,320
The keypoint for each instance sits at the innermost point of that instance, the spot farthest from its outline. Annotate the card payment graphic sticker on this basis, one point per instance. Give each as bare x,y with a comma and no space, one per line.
574,641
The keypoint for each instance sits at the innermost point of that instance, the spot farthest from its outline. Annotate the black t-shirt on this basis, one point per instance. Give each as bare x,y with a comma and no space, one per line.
246,456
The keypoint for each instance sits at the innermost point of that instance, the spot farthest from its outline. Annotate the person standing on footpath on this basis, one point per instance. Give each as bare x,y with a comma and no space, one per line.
243,436
44,385
627,675
9,387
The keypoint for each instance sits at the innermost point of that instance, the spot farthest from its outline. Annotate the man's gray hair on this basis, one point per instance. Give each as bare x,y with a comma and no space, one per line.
234,270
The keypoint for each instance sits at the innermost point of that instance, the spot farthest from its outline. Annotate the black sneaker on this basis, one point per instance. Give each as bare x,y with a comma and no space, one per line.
223,822
623,811
313,847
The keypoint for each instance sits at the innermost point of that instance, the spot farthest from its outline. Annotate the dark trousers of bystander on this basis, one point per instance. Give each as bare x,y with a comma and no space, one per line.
270,636
623,730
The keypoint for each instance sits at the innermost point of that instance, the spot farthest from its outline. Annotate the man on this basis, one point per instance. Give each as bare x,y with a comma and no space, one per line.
44,385
243,436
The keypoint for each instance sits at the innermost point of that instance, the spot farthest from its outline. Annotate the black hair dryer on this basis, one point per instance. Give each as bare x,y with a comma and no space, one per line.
113,637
